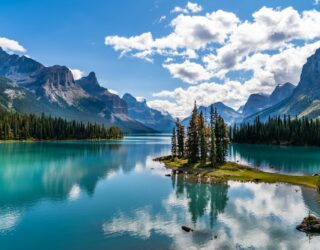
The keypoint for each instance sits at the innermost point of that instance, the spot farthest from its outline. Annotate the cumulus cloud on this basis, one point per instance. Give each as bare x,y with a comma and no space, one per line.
189,32
187,71
11,45
189,8
179,102
271,48
77,73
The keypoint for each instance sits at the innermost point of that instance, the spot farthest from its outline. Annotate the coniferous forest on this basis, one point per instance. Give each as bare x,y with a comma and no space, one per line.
14,126
203,143
278,130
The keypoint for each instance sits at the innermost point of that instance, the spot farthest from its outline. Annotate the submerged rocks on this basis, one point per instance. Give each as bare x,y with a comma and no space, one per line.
187,229
310,224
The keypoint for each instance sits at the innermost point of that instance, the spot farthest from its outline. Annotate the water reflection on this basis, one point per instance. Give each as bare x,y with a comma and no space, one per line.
234,216
85,195
293,160
202,199
30,172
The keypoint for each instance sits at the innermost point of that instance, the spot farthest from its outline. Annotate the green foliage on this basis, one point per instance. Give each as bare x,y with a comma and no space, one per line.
181,138
213,148
174,143
15,126
318,184
193,136
203,141
279,130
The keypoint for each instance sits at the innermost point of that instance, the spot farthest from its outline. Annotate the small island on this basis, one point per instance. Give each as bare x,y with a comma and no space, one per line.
29,127
202,155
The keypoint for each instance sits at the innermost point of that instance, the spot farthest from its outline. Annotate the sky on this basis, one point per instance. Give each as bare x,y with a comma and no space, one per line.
171,52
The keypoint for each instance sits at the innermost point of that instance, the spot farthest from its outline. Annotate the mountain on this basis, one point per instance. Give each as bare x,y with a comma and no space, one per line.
281,92
29,87
229,115
141,112
255,103
259,102
305,99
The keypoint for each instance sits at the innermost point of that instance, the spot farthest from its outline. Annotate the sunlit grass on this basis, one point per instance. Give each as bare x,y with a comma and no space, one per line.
238,172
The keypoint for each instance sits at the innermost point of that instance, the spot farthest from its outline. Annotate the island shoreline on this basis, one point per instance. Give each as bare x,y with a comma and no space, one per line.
231,171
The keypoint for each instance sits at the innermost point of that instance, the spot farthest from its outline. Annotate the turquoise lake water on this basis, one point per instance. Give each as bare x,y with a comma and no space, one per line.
111,195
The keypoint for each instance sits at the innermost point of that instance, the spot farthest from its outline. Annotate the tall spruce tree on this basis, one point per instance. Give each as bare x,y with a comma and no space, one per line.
193,136
180,138
213,148
174,143
203,139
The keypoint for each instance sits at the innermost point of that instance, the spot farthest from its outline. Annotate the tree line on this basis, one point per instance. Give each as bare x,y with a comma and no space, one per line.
14,126
278,130
204,143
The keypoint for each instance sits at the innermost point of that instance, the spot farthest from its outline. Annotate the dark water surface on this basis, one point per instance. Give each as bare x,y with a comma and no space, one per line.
111,195
283,159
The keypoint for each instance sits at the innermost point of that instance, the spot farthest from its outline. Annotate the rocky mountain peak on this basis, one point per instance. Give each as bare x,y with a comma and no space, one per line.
129,98
57,76
282,91
92,78
309,84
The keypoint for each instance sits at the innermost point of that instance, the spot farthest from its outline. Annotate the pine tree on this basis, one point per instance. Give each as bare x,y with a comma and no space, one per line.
203,139
174,143
28,126
193,137
181,139
213,150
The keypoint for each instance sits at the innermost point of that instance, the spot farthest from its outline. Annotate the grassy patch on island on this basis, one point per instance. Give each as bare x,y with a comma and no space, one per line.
238,172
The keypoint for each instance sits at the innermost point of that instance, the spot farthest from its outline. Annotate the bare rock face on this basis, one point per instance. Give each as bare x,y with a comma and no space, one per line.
140,111
309,84
30,87
310,224
113,104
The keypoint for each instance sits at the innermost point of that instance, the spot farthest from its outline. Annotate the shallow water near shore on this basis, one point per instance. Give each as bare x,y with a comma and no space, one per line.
112,195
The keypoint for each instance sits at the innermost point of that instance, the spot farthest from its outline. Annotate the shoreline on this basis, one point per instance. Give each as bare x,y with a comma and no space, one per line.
231,171
56,140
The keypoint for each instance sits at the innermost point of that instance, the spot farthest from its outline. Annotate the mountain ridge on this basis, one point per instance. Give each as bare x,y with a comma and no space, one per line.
53,91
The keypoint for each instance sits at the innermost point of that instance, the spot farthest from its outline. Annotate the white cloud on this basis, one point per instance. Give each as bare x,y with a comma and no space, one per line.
179,102
189,32
189,8
162,18
140,99
77,73
271,49
188,71
316,2
11,45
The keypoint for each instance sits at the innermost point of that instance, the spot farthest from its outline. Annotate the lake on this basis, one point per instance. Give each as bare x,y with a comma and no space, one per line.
112,195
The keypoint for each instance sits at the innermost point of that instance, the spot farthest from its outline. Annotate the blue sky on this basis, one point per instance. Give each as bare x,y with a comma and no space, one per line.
73,33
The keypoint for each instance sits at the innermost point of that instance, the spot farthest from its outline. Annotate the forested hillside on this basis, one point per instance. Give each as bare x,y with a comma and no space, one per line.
14,126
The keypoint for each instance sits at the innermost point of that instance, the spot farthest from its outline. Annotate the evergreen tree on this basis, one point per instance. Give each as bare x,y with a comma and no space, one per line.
181,139
277,130
193,136
15,126
203,139
213,150
174,143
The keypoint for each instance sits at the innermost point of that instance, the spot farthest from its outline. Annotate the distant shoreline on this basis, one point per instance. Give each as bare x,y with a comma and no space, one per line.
231,171
57,140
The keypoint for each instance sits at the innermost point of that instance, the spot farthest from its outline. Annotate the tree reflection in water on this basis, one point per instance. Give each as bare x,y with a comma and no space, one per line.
202,197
